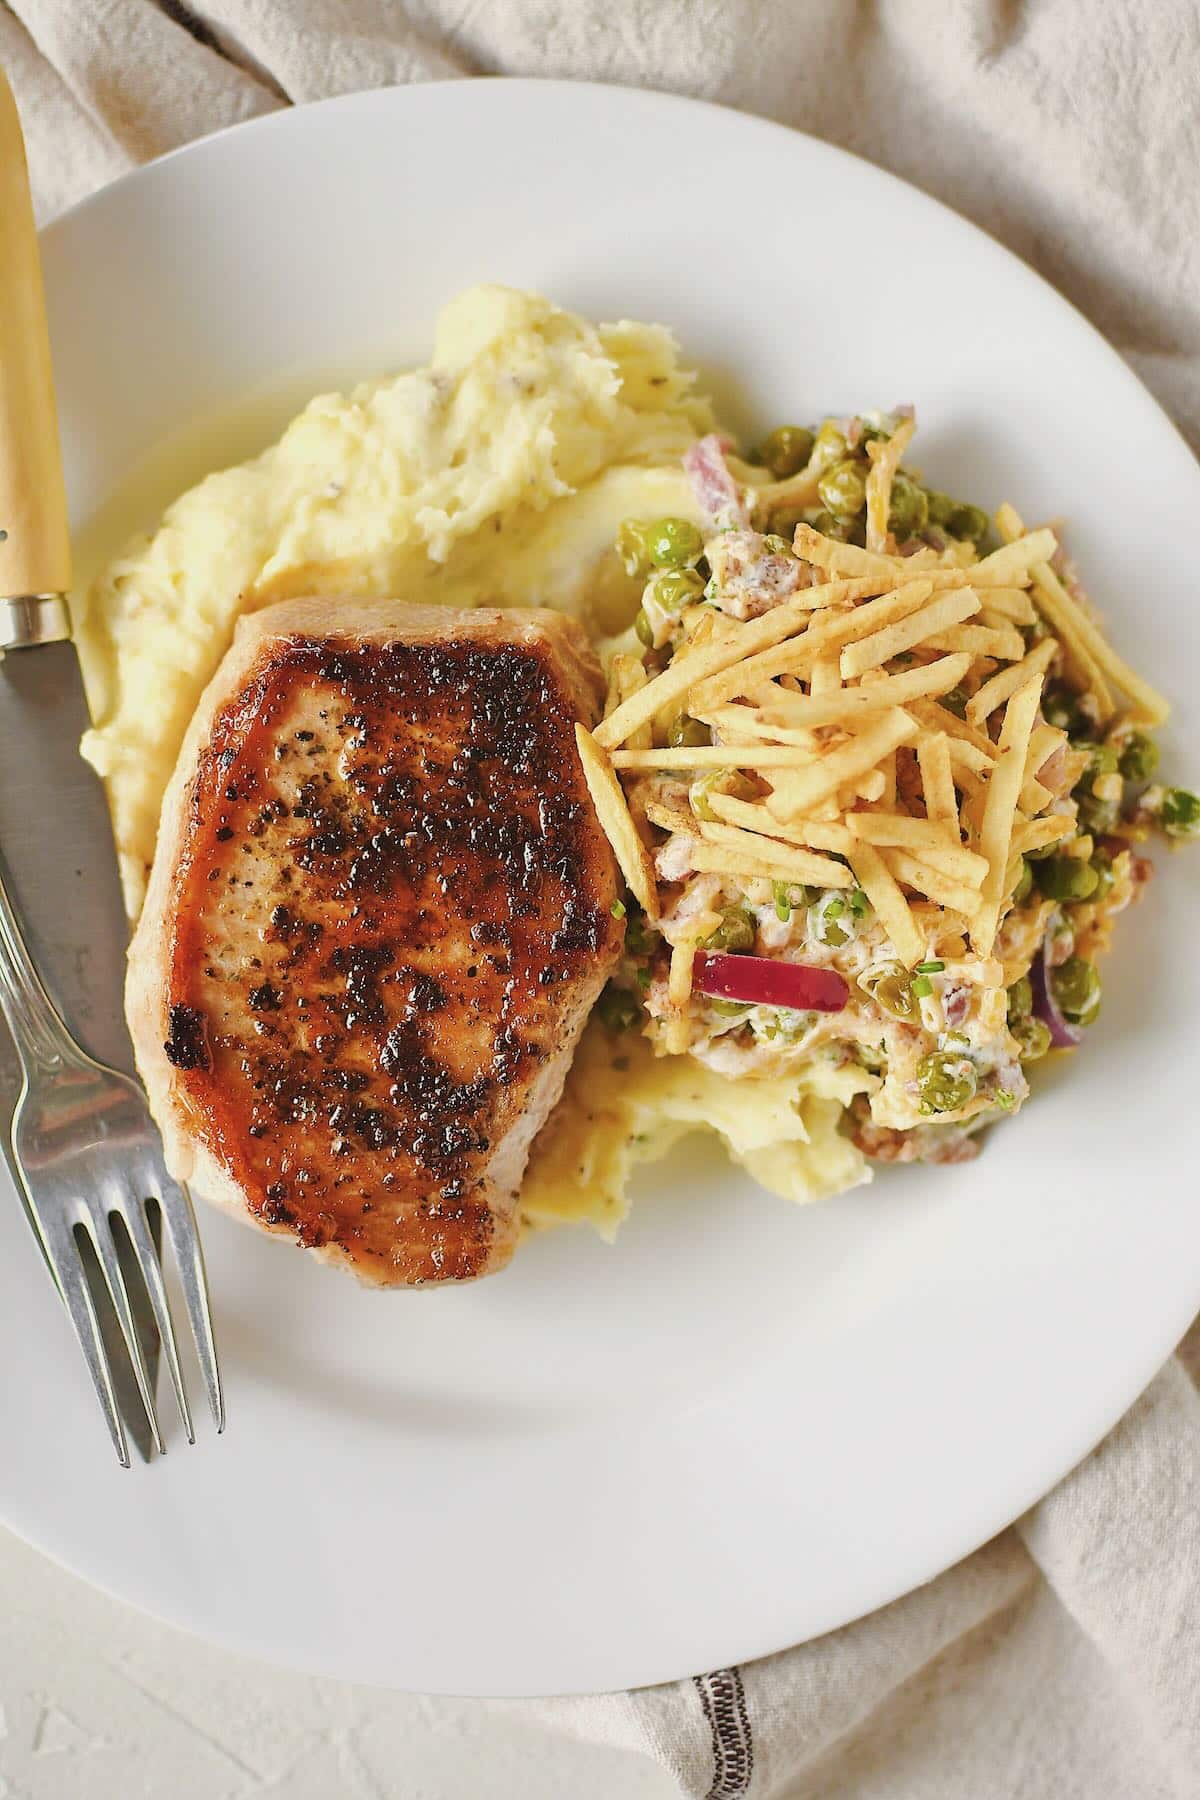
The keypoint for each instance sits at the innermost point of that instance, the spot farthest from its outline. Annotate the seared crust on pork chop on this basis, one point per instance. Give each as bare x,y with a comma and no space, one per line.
380,911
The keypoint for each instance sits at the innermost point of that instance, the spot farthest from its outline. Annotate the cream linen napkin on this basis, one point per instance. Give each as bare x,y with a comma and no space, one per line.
1064,1659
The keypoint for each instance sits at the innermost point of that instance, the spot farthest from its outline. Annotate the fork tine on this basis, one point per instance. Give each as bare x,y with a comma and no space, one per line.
181,1222
62,1253
133,1217
96,1223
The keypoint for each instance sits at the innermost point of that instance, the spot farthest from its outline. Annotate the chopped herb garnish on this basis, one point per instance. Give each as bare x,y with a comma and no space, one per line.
783,906
618,909
922,987
933,967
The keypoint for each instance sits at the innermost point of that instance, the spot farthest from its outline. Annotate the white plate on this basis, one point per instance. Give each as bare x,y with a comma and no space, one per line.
746,1423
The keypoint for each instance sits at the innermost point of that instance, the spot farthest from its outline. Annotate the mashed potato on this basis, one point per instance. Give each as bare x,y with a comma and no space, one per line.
497,475
623,1105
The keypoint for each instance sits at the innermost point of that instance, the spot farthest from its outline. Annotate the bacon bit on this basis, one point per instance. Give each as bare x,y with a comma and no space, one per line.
1056,772
956,1004
714,487
749,578
919,1143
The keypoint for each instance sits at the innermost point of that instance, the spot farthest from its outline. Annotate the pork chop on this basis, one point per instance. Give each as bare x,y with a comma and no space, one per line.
380,911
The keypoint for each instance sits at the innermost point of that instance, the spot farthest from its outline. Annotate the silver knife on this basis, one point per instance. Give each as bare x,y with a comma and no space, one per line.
56,839
55,833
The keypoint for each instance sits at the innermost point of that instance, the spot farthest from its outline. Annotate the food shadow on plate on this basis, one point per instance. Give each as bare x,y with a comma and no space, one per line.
323,1387
739,1259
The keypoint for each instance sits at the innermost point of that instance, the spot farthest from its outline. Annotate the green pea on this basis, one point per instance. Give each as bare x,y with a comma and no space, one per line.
909,510
675,588
1179,815
1139,757
736,931
1075,985
684,730
1067,878
639,940
1024,885
1032,1038
785,519
725,781
1102,864
1060,708
1102,759
1098,816
890,986
832,527
1020,998
843,488
643,628
632,547
968,522
946,1082
830,447
787,449
617,1009
673,543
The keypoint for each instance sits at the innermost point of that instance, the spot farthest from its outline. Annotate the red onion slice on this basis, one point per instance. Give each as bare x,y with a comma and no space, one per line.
765,981
1063,1035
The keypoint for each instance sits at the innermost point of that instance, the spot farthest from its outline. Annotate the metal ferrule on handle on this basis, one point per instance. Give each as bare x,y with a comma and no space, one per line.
30,619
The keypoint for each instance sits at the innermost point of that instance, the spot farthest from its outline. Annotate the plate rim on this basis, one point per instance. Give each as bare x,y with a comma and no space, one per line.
651,96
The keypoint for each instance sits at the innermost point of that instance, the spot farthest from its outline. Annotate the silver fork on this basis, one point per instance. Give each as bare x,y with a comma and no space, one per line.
85,1152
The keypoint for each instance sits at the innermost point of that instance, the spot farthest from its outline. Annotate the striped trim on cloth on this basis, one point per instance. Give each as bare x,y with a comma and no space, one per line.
724,1701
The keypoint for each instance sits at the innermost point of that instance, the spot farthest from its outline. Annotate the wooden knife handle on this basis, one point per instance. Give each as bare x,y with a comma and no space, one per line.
35,546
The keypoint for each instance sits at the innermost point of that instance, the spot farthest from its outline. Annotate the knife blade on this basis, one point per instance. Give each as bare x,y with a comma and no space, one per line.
57,844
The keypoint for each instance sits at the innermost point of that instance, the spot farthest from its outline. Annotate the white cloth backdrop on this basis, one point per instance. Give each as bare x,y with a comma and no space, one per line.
1063,1660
